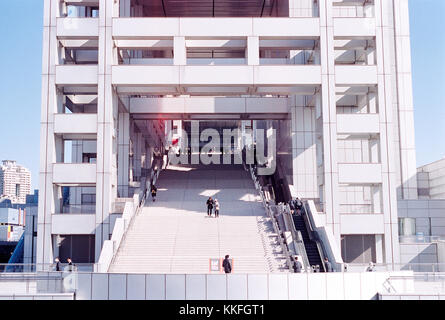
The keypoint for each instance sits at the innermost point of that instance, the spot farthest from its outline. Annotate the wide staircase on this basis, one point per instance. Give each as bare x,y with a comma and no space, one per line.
175,235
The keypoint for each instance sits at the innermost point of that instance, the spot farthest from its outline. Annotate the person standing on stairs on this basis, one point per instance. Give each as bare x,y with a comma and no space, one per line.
209,206
226,264
216,208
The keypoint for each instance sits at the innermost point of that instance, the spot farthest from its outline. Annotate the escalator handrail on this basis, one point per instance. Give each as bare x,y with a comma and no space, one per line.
272,217
297,237
312,234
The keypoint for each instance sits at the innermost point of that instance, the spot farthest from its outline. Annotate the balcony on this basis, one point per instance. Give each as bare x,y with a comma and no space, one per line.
85,75
77,28
75,123
74,174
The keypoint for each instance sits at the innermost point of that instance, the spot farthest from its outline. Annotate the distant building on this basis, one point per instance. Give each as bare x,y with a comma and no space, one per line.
431,180
15,182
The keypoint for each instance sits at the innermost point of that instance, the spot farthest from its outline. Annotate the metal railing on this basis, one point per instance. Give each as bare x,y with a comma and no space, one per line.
386,267
420,239
422,283
44,267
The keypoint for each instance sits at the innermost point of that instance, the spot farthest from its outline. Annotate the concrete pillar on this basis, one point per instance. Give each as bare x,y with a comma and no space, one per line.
329,117
179,51
124,8
384,38
107,115
194,143
253,51
138,155
50,100
123,154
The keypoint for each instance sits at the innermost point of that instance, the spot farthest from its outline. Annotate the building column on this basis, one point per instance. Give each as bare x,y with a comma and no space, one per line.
329,119
253,51
384,38
138,155
107,114
123,154
50,105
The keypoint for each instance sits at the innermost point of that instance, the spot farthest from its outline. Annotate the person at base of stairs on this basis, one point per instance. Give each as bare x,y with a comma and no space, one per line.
328,265
226,264
297,265
216,208
153,192
209,203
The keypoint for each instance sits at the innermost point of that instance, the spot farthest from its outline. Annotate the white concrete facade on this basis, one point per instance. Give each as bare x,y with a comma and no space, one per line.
342,68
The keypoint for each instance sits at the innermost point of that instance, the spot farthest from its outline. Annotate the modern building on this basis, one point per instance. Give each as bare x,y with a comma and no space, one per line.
331,77
15,181
431,180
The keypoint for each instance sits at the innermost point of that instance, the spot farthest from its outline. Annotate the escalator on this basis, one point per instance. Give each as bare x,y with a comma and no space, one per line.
282,195
310,245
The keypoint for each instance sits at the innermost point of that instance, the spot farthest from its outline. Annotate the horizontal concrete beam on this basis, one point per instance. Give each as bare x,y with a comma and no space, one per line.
73,224
75,123
208,105
362,224
354,27
74,173
358,123
288,75
359,173
230,28
356,75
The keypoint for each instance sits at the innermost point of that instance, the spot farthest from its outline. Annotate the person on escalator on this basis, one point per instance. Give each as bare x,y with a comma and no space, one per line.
209,206
292,206
298,206
153,192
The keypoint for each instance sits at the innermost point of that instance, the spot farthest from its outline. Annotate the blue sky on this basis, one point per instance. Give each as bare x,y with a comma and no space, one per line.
20,81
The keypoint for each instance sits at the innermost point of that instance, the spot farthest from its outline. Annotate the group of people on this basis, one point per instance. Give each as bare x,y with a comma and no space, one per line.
298,267
58,264
212,204
296,205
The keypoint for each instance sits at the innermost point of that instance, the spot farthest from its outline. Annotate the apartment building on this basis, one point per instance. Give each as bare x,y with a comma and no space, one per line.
15,182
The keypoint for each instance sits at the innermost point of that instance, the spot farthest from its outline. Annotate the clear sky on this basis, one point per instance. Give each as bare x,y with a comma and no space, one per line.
20,80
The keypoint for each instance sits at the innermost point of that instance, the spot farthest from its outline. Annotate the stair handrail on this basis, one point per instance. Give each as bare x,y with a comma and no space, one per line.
296,237
111,247
272,217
